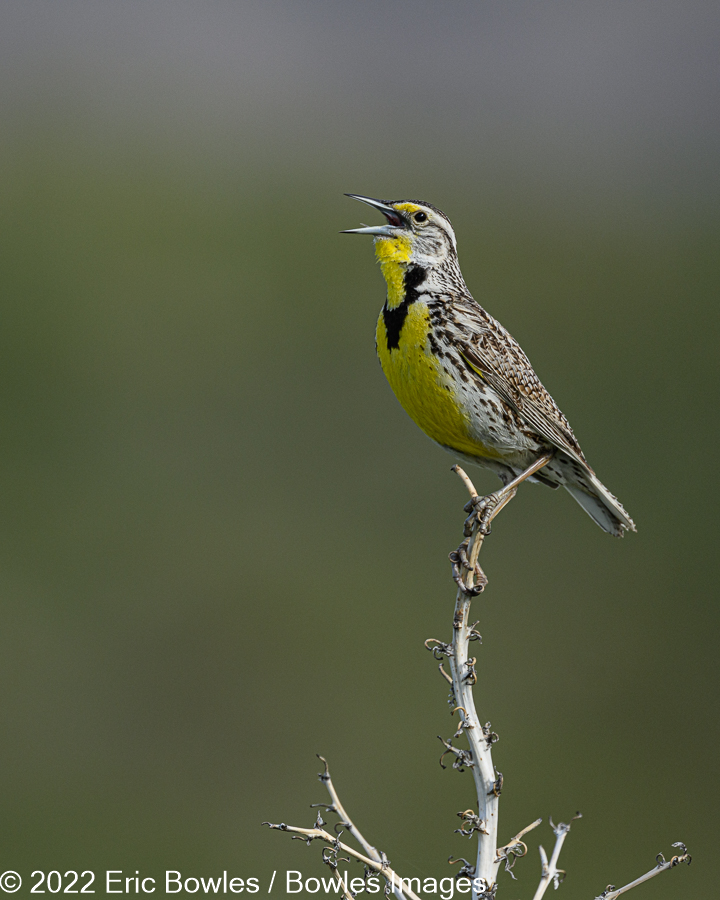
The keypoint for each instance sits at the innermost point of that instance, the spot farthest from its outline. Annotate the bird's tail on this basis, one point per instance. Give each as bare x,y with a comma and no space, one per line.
601,505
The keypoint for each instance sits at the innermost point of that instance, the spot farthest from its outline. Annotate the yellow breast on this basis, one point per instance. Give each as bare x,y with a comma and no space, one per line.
426,391
421,385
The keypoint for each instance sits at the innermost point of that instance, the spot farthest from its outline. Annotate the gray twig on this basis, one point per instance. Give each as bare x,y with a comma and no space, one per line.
611,892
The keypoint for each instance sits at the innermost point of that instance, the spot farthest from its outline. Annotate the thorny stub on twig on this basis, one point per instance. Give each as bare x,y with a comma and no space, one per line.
498,785
463,758
467,870
675,860
470,824
439,649
515,848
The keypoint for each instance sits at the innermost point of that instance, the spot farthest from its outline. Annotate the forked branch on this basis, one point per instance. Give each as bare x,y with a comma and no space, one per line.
318,833
345,820
550,872
374,860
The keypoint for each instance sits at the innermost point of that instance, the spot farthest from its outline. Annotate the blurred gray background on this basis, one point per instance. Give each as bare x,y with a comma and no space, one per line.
223,542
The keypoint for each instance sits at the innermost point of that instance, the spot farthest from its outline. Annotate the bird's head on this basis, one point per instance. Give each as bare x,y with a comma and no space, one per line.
415,232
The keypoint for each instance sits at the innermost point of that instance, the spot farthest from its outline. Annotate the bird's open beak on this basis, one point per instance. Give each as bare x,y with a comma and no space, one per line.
394,219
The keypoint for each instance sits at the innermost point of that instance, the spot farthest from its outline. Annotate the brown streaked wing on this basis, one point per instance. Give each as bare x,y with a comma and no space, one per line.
525,393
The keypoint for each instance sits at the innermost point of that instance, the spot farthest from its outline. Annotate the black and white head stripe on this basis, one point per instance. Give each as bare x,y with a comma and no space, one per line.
437,215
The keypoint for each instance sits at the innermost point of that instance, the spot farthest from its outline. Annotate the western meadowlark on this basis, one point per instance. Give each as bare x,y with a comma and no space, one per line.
460,375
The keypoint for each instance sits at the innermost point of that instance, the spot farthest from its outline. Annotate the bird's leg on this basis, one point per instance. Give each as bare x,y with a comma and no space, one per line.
484,509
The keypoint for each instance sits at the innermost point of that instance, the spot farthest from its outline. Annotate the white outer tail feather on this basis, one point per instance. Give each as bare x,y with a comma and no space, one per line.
602,507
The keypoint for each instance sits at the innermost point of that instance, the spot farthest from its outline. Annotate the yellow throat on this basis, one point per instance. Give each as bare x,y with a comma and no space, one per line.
393,255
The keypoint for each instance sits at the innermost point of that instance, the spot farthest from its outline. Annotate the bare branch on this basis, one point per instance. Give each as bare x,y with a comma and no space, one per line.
515,848
466,481
480,750
332,860
611,892
471,581
381,866
550,871
345,820
345,892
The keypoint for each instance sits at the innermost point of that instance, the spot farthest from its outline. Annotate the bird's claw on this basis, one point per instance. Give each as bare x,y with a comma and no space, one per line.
481,511
460,561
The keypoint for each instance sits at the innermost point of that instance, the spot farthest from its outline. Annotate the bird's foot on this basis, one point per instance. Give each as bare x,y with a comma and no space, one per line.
460,560
484,509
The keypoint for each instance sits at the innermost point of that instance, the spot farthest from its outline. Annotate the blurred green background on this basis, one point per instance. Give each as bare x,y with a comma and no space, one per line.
223,542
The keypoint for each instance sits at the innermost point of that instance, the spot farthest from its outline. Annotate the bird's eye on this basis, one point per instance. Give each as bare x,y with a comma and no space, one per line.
420,217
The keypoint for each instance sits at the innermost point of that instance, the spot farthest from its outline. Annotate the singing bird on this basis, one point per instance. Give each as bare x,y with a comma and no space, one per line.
459,374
